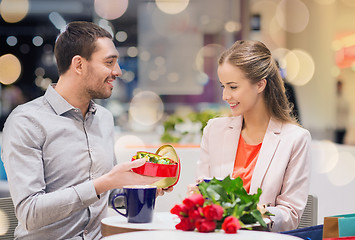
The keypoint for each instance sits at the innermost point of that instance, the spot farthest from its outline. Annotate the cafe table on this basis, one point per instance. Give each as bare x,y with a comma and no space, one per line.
163,227
182,235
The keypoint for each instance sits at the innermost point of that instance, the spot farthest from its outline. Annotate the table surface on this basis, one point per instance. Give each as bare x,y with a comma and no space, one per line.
161,221
181,235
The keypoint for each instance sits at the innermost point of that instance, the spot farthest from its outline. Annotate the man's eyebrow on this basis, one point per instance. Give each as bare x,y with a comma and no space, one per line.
112,57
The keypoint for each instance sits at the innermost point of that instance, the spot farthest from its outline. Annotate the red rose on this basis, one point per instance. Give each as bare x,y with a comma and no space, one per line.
231,224
195,213
180,209
186,224
213,212
194,200
204,225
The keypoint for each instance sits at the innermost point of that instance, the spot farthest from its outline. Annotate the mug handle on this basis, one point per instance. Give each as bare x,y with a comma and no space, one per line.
113,204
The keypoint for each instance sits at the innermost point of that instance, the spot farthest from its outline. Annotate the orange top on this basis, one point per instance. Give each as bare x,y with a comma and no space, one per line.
245,161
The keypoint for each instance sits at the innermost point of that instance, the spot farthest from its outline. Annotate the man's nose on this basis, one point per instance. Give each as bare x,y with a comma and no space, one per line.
117,70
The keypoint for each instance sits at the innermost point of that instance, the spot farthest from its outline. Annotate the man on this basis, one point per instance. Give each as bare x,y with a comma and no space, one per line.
58,149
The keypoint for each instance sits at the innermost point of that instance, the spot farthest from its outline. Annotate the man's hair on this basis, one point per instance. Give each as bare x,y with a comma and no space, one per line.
79,38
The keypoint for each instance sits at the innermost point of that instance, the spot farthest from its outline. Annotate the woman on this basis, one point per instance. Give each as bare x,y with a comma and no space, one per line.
261,143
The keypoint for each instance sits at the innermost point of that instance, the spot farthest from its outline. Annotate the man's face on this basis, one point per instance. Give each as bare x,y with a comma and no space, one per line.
102,69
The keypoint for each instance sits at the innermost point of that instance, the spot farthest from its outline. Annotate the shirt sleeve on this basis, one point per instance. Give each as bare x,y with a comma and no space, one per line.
22,155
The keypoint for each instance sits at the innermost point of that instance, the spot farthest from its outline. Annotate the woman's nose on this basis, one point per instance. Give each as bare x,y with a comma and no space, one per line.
225,96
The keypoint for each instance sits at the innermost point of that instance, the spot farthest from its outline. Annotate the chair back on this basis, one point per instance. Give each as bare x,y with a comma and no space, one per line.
309,217
8,220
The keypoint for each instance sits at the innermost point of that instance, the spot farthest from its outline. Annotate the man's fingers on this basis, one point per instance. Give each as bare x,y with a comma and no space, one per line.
136,163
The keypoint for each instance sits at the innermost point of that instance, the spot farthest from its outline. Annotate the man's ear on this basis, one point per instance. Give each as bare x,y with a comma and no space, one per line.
261,85
77,64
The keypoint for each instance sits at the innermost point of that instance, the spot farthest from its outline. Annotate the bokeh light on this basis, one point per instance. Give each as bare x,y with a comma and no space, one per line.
122,146
4,223
146,108
13,11
110,9
172,6
297,15
25,48
325,2
10,69
232,26
209,51
37,41
343,172
349,3
299,67
132,51
11,41
173,77
127,76
144,55
327,156
178,22
39,72
121,36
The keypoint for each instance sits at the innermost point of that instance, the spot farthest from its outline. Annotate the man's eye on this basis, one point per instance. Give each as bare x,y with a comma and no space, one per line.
110,62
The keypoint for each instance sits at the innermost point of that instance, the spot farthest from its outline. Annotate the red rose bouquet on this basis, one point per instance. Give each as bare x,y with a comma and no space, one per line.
220,205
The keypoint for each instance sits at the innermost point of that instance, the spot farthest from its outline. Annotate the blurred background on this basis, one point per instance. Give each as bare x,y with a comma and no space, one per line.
169,50
169,87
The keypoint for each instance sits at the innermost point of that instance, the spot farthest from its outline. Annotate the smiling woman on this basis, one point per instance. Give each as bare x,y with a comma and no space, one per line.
262,143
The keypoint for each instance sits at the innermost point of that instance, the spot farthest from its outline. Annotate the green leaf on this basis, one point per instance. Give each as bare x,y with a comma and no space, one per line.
217,193
257,215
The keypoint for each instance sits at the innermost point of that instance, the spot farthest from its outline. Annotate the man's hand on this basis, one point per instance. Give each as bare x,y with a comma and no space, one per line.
122,175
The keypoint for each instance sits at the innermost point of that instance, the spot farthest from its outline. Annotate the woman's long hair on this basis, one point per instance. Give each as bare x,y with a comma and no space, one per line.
254,59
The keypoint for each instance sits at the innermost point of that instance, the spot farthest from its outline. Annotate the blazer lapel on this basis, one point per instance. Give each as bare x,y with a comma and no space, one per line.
267,151
230,145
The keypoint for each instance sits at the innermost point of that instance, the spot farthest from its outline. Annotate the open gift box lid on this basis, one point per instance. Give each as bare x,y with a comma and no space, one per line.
170,172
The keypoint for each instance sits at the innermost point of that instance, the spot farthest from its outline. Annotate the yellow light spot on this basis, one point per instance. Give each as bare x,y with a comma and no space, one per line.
146,108
343,172
232,26
206,53
10,69
327,156
122,146
110,9
13,11
172,6
325,2
300,67
292,15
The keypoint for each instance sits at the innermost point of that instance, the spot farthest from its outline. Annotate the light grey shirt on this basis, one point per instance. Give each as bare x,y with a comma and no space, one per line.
51,155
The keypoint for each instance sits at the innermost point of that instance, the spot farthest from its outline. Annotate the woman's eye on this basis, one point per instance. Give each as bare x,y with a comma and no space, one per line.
233,87
222,86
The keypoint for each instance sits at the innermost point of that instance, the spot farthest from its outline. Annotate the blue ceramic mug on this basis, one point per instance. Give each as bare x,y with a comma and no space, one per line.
140,203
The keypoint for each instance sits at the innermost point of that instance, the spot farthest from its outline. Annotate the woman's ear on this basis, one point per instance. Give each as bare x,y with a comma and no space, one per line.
261,85
77,64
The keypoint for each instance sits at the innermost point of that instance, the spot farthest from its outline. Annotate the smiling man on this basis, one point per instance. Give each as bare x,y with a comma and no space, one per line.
58,149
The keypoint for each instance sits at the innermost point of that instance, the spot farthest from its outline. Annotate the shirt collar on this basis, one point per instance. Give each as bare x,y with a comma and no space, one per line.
60,105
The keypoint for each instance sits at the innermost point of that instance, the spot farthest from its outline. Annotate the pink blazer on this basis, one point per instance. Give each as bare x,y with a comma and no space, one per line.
282,170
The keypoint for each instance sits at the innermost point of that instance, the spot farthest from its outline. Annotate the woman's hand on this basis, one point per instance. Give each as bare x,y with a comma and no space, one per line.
193,188
162,191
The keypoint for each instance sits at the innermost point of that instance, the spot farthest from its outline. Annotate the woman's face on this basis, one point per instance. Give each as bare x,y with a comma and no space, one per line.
242,96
